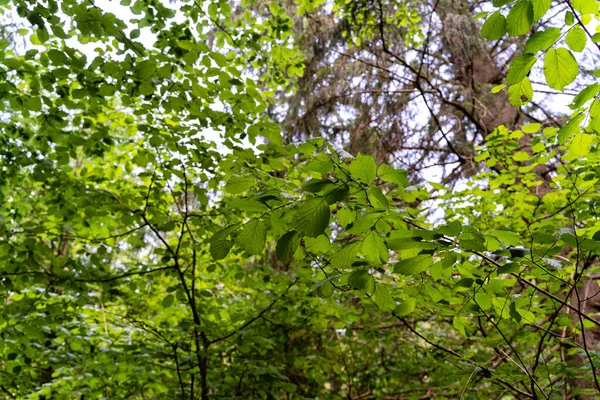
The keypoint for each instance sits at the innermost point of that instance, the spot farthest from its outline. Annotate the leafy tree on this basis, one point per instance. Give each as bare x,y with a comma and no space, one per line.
162,238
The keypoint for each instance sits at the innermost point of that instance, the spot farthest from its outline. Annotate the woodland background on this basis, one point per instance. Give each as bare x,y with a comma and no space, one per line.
371,199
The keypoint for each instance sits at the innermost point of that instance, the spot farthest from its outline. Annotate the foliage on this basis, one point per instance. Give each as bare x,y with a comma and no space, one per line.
160,239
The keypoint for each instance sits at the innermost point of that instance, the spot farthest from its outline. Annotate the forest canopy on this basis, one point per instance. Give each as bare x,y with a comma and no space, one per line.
309,199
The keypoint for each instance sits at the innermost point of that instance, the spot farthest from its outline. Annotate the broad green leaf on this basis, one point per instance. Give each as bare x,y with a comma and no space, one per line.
585,6
398,237
576,38
168,301
58,57
520,18
253,236
346,256
363,224
460,324
320,244
383,298
413,265
483,300
219,244
363,168
494,27
463,284
451,229
312,217
316,185
571,128
519,68
145,70
560,68
326,289
249,205
521,156
542,40
569,18
521,93
580,145
374,249
239,184
393,175
362,280
508,268
531,128
540,8
339,193
345,217
377,198
507,237
406,307
287,246
585,95
527,315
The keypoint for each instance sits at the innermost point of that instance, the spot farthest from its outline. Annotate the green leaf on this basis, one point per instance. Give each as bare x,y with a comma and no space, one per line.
239,184
406,307
393,175
312,218
451,229
519,68
320,244
145,70
326,289
507,237
363,168
527,315
459,324
317,185
463,285
580,145
508,268
560,68
252,238
219,245
168,301
249,205
494,27
542,40
498,88
585,6
576,39
571,128
362,280
340,193
531,128
58,57
521,93
520,18
520,156
383,298
345,257
540,8
374,249
585,95
287,246
569,18
413,265
378,199
483,300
